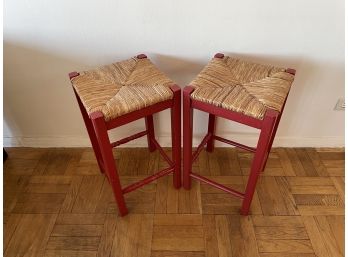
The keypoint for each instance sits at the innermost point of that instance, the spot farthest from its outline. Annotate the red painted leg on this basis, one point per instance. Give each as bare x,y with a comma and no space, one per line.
211,130
274,133
187,156
150,132
92,136
108,158
271,142
261,151
176,135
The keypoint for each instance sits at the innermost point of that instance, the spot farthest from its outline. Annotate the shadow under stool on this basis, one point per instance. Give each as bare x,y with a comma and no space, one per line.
117,94
248,93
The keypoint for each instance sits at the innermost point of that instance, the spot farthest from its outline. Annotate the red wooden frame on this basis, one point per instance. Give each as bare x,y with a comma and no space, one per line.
97,129
268,128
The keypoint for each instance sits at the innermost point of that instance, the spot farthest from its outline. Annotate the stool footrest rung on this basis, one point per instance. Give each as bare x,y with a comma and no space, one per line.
245,147
147,180
201,146
161,151
130,138
217,185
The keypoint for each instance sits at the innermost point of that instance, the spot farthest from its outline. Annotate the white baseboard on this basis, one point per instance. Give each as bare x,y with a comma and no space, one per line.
248,139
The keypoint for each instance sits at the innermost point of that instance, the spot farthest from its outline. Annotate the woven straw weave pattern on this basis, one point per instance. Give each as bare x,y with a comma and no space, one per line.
122,87
241,86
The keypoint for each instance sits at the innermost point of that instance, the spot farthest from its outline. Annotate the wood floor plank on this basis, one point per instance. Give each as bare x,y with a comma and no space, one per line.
328,236
316,161
280,233
285,162
58,161
177,238
73,243
153,163
331,154
161,196
287,255
339,185
107,236
190,201
38,203
177,231
13,187
177,254
334,167
203,164
309,181
88,194
9,228
77,230
27,153
71,195
178,244
287,195
142,200
320,210
271,198
60,180
210,236
306,162
21,166
277,221
242,236
69,253
337,230
172,198
223,236
315,237
80,219
31,235
74,159
286,246
178,219
323,238
313,189
47,188
295,162
106,199
319,200
131,236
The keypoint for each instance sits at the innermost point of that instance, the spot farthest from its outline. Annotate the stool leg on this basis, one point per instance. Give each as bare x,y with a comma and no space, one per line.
211,130
150,132
271,142
176,136
108,158
188,126
91,134
274,133
263,145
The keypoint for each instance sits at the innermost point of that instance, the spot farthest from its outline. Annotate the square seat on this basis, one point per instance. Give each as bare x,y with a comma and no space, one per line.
241,86
122,87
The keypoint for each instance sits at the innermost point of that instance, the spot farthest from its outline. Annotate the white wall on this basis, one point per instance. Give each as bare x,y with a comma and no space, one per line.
44,40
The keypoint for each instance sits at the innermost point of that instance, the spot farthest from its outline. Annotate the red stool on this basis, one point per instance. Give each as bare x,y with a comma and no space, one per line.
244,92
117,94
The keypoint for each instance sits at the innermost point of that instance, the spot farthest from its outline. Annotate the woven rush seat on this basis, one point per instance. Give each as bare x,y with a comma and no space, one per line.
122,87
241,86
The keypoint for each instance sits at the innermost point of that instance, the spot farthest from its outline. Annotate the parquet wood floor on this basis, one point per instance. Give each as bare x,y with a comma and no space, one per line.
57,204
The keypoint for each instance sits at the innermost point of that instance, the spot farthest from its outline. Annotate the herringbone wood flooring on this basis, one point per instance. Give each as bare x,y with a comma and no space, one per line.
56,203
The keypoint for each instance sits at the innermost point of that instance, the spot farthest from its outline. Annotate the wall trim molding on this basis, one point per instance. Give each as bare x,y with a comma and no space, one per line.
249,139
